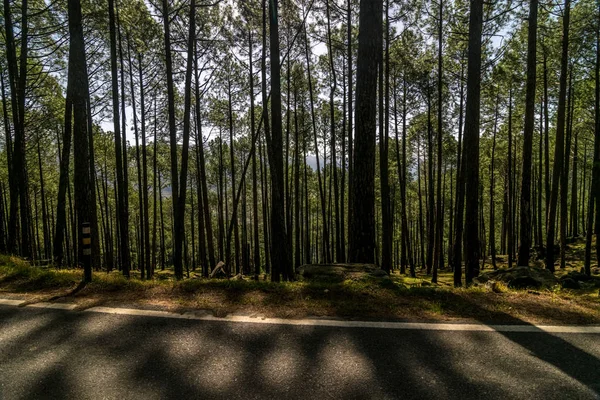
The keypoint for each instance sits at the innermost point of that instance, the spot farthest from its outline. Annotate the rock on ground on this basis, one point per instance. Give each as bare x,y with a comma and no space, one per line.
521,277
340,272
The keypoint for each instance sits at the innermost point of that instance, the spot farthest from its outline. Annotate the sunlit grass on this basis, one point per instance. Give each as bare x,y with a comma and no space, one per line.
362,296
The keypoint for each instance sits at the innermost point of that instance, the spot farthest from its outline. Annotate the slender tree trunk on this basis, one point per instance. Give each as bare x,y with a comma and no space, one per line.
574,204
314,128
121,208
460,195
178,238
421,226
200,156
595,186
64,158
386,218
564,176
492,187
546,138
255,183
279,254
232,166
11,58
145,188
125,156
438,259
267,126
560,131
525,210
539,237
45,227
297,225
350,118
429,185
138,160
19,151
338,247
155,189
509,217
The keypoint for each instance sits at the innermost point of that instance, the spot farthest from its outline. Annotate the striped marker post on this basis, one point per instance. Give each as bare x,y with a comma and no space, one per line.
86,245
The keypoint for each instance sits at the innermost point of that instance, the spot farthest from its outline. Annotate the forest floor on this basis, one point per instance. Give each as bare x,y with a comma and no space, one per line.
366,298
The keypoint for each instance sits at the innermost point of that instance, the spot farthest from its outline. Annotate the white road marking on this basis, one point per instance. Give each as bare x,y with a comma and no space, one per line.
11,302
423,326
56,306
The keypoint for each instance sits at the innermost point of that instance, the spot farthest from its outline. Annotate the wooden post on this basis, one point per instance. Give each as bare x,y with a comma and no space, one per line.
86,243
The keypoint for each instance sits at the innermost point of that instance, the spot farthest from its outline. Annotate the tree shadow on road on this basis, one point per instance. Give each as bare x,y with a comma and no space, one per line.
117,356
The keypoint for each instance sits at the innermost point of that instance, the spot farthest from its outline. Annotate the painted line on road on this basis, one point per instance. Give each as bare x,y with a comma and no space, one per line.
55,306
351,324
11,302
423,326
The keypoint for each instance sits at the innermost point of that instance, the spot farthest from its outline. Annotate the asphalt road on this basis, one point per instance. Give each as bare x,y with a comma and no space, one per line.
73,355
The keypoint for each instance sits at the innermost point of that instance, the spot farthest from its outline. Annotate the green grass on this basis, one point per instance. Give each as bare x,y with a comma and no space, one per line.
14,271
398,297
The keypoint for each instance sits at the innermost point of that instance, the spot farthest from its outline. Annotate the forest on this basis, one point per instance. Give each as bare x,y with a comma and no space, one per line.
248,138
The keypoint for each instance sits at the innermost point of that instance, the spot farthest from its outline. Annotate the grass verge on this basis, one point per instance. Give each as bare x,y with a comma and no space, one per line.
398,298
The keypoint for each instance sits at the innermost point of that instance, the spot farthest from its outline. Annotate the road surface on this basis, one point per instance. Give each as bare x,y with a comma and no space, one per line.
63,354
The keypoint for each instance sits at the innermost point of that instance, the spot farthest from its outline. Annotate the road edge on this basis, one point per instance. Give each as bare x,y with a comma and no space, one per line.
204,316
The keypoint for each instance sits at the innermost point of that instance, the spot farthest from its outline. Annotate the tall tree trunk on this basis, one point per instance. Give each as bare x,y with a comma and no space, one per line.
232,166
386,218
362,221
546,138
460,195
12,75
142,215
574,204
267,132
564,177
178,238
560,132
471,141
144,189
155,189
314,129
525,210
350,118
298,223
492,183
539,238
421,225
79,84
401,162
201,216
254,177
19,152
121,208
438,258
179,214
63,183
17,74
429,185
279,254
45,225
595,186
124,130
200,155
338,248
509,205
